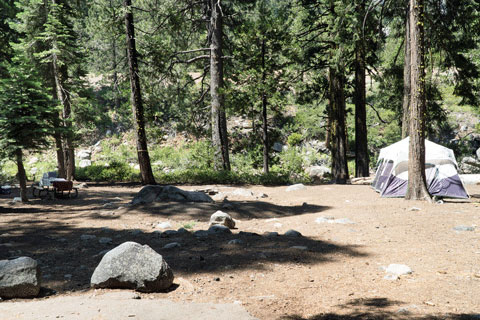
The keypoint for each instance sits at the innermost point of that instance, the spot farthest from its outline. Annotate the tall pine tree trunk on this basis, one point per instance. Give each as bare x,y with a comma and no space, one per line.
115,63
406,80
417,185
219,119
22,176
136,99
338,137
60,74
264,113
62,173
361,142
63,141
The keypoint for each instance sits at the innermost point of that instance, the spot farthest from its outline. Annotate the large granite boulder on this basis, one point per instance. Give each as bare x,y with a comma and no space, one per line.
19,278
133,266
153,193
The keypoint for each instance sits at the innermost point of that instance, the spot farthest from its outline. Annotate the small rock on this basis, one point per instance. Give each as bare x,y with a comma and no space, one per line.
169,233
464,228
87,237
227,205
135,232
17,199
105,240
242,193
293,233
299,247
172,245
278,147
157,233
248,234
332,220
163,225
398,269
222,218
272,234
391,277
235,241
201,233
219,229
414,209
108,205
295,187
182,231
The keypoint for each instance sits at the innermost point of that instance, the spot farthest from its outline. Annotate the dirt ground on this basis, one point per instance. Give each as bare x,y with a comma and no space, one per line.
339,275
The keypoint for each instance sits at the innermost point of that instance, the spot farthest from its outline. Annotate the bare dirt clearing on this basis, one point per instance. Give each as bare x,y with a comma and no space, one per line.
334,270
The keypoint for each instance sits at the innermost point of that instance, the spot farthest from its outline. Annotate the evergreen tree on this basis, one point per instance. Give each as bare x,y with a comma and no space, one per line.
25,114
136,98
262,49
51,42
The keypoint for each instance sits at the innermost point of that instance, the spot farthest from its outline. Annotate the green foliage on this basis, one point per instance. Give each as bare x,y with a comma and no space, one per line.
210,176
294,139
26,109
115,171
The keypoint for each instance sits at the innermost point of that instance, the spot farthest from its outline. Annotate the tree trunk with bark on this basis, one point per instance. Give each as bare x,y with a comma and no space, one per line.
22,176
219,118
60,74
136,99
361,141
406,80
417,185
338,140
62,173
264,113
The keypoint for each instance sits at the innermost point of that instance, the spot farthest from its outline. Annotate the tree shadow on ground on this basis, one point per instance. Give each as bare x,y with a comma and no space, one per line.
237,209
67,262
379,309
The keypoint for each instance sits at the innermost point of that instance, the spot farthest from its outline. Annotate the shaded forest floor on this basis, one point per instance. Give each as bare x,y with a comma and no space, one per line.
335,271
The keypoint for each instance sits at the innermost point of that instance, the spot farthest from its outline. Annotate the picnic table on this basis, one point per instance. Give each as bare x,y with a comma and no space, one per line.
57,187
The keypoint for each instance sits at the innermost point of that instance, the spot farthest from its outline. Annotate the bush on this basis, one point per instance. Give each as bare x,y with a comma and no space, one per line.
195,176
116,171
294,139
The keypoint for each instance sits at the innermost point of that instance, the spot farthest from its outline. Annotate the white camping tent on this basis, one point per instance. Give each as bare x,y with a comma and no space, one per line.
391,178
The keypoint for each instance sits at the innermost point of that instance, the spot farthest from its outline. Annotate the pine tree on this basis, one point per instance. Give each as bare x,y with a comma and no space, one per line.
136,98
50,41
26,111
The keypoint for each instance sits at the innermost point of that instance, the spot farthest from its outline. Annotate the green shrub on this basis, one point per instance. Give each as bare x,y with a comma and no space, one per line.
195,176
116,171
294,139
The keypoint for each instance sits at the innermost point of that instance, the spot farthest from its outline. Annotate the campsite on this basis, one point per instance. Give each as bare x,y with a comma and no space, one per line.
336,270
240,160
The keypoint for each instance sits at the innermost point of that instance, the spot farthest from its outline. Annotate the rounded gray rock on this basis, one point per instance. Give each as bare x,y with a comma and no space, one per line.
219,229
222,218
293,233
133,266
19,278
